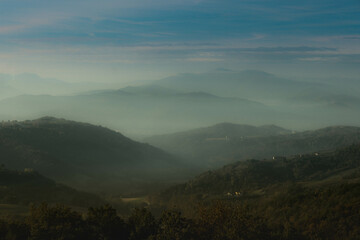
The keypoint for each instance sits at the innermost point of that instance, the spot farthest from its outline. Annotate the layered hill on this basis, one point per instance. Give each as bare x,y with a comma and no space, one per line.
186,101
28,186
83,155
264,86
311,196
251,84
260,177
142,110
308,104
225,143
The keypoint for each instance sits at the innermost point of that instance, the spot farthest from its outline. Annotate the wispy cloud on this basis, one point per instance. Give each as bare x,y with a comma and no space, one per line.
300,49
320,59
11,28
204,59
337,37
89,34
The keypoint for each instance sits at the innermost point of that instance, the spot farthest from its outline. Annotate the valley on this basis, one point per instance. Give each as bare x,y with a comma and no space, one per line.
294,169
179,120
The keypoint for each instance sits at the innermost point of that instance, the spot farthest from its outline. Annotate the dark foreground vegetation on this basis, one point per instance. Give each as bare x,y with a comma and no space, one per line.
298,213
28,186
310,197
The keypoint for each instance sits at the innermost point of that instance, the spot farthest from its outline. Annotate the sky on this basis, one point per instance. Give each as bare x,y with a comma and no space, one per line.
132,40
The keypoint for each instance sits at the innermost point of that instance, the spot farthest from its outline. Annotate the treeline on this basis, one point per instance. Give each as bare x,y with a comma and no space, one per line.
331,213
251,175
59,222
289,211
28,186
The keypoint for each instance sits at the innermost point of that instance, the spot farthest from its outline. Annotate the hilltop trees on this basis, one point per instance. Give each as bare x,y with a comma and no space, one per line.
172,226
331,214
142,225
105,224
57,222
230,222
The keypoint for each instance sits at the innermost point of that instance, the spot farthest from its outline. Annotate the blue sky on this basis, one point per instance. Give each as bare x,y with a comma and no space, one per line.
123,40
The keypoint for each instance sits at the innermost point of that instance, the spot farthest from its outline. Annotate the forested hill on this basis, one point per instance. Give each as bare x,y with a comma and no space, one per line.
225,143
221,130
81,154
80,143
256,175
28,186
312,196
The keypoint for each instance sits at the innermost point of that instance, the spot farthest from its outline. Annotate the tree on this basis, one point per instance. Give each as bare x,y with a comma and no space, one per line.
230,222
142,225
174,227
56,223
13,230
105,224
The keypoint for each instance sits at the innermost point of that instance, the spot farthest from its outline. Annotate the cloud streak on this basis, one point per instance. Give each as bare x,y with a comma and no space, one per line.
176,36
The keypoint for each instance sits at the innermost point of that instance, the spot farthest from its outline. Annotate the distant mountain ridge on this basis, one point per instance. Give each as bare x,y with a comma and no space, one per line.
154,90
246,142
149,90
221,130
251,84
186,101
140,110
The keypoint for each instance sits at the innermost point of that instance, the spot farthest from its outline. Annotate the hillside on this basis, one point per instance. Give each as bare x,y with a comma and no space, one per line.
210,147
83,155
220,130
312,196
28,186
260,178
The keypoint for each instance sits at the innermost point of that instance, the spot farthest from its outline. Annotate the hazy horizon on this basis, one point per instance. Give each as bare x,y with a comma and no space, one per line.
195,63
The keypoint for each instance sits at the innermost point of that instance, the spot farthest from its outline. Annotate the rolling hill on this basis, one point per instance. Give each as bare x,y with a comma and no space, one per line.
312,196
260,177
307,104
84,156
28,186
224,143
143,110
